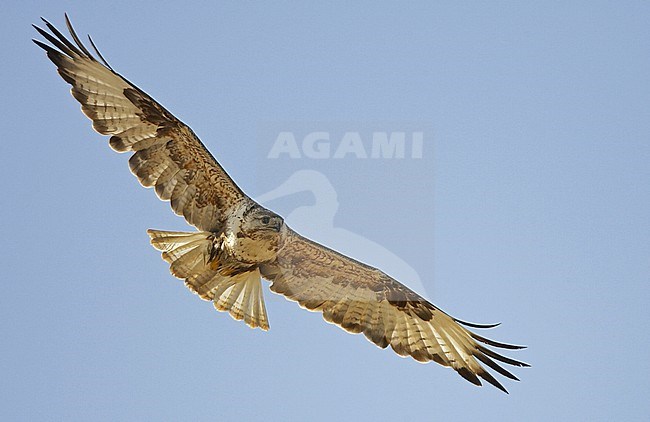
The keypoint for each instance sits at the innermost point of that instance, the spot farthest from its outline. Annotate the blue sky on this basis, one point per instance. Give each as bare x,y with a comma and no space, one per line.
529,205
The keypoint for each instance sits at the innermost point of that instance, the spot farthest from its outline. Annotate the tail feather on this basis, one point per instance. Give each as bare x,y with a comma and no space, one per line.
174,254
166,240
258,308
189,257
228,301
191,263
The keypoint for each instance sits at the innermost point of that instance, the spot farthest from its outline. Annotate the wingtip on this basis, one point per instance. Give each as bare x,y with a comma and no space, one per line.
469,375
92,43
68,23
38,28
502,388
475,325
42,45
496,343
493,381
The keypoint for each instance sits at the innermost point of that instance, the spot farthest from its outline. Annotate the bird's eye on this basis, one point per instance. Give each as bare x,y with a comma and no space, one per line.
266,220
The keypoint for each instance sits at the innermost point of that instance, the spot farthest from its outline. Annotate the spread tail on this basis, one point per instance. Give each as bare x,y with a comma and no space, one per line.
192,258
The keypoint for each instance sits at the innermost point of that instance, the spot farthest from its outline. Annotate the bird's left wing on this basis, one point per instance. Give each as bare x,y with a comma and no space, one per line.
362,299
167,155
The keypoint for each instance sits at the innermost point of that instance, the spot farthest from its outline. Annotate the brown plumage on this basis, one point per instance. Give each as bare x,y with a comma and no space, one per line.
240,241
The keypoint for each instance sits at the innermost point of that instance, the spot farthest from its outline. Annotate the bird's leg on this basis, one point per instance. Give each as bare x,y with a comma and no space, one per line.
215,249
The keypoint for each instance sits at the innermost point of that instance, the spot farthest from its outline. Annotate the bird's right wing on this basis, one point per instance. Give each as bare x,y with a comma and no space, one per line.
362,299
167,154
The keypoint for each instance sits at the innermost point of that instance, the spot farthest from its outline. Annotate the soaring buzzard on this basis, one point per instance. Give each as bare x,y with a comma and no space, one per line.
238,241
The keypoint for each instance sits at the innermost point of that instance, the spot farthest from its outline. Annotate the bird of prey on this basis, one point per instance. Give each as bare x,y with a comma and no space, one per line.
238,242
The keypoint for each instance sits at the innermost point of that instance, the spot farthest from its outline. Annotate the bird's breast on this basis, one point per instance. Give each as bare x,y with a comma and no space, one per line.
248,249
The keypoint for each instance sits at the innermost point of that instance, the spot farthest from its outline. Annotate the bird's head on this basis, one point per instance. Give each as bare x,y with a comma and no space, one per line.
260,222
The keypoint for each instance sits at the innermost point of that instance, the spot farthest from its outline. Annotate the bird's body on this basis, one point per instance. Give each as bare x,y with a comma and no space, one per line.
239,242
252,234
